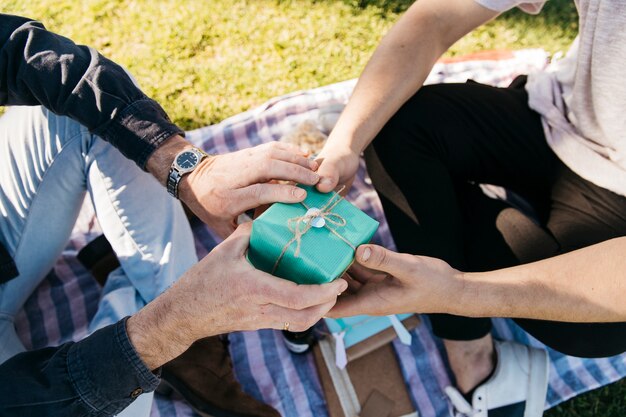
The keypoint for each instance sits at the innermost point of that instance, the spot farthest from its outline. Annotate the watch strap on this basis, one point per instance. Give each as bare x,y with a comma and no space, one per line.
174,176
173,179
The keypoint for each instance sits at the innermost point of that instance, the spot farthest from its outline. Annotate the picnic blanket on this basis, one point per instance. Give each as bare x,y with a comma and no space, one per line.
62,306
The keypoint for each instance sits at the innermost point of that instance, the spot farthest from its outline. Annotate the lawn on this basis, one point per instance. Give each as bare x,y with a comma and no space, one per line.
207,60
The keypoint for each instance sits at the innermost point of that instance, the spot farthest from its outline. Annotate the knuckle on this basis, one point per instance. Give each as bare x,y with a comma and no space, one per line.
262,294
293,302
298,327
274,145
273,152
267,158
290,190
296,171
289,193
256,192
226,212
415,261
311,322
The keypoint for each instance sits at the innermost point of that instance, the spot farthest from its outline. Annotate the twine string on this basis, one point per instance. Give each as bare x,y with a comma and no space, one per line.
326,212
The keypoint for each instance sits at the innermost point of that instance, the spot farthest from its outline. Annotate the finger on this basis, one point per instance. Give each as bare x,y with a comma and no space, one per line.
294,158
299,320
364,302
298,297
281,170
364,275
224,229
274,169
381,259
237,243
291,147
329,176
353,285
257,195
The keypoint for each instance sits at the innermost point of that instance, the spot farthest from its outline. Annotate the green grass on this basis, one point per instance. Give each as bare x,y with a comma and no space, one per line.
207,60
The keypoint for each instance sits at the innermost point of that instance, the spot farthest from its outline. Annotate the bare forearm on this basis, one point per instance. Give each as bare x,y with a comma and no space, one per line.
158,333
395,72
587,285
167,326
401,64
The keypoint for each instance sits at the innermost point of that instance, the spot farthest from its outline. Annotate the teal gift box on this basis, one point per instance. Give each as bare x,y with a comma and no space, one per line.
312,242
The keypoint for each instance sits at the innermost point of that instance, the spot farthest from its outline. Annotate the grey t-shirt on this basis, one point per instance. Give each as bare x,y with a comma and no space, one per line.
582,97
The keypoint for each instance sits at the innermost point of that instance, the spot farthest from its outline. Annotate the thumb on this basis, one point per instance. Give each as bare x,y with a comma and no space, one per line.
238,242
381,259
329,175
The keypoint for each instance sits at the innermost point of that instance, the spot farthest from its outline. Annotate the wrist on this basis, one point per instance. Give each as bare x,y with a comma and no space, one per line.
157,334
340,151
344,142
161,160
186,188
484,294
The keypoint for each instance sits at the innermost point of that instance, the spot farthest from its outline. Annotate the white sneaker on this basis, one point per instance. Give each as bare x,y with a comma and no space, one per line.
517,387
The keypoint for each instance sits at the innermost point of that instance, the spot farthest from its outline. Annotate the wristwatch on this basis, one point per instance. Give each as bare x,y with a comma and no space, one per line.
184,162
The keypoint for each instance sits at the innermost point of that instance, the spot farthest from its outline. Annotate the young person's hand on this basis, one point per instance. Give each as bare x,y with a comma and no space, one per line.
385,282
338,166
225,293
582,286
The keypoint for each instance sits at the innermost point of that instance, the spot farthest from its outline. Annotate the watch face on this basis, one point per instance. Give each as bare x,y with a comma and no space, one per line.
187,160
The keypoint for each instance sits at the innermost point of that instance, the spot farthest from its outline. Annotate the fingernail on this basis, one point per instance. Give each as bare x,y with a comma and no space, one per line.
314,166
315,178
365,254
298,192
344,286
326,180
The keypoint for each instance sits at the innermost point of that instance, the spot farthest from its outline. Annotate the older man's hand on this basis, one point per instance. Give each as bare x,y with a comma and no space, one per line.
225,293
224,186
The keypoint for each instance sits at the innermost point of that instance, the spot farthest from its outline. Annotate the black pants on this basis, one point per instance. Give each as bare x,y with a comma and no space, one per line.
432,154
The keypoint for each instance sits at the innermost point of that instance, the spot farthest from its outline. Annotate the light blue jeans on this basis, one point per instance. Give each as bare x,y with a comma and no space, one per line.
47,164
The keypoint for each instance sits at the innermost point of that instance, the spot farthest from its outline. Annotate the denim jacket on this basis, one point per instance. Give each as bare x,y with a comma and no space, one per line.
38,67
102,374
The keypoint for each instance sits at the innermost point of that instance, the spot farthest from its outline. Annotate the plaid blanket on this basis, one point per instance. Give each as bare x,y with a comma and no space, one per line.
65,302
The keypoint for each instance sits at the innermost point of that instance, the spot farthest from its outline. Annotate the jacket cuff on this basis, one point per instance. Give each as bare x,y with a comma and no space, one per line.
139,130
105,356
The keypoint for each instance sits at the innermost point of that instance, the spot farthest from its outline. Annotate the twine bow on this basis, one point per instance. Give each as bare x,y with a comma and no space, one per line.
326,212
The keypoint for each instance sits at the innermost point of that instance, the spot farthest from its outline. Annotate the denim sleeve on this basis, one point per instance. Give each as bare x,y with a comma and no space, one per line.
98,376
38,67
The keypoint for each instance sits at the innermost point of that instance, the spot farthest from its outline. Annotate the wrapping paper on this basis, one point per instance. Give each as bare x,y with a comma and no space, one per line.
309,249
